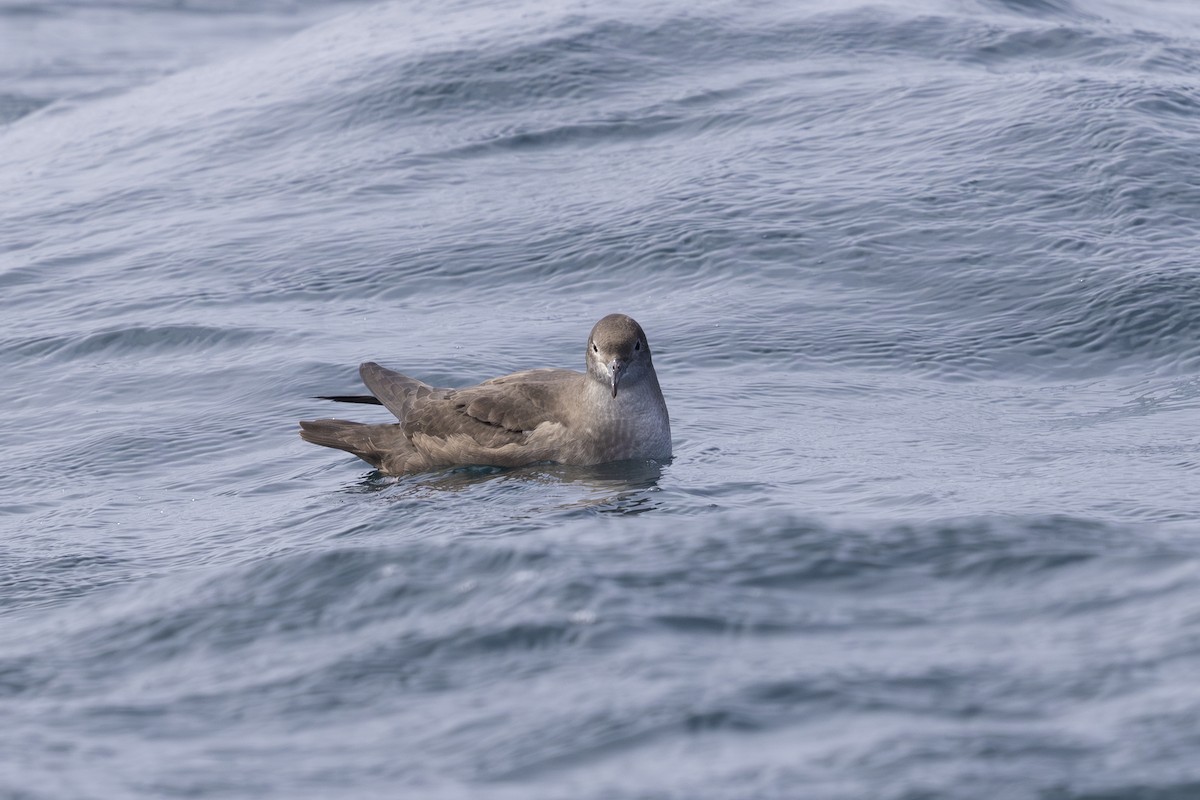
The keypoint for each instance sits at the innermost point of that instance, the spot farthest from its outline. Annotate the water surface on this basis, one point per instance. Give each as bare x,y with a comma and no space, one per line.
921,284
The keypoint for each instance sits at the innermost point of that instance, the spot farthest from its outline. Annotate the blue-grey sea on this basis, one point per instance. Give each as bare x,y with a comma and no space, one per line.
922,279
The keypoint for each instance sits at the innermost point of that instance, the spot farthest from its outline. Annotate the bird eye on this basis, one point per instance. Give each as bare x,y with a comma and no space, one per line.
638,346
594,348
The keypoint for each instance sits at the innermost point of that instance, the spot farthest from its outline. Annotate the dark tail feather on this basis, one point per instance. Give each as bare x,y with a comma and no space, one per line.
353,437
365,399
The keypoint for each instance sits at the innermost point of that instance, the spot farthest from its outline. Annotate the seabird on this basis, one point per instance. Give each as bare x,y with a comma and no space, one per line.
612,412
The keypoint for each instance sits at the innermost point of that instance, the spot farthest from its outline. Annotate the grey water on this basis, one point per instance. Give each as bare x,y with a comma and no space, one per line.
922,284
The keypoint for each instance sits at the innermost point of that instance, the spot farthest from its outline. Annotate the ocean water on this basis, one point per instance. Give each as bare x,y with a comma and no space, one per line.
922,284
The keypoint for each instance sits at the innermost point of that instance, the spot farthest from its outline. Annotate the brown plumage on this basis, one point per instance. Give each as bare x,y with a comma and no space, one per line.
613,411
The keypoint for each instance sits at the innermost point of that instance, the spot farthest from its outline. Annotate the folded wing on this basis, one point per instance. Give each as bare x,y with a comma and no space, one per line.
499,412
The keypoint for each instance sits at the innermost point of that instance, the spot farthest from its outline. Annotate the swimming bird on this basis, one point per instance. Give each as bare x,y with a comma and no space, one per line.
612,412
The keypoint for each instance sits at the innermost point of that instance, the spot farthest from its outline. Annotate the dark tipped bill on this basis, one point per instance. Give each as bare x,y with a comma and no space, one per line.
615,371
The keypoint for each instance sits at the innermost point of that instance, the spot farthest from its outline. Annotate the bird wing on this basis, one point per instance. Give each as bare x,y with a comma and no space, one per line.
497,412
396,391
521,401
